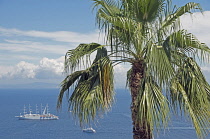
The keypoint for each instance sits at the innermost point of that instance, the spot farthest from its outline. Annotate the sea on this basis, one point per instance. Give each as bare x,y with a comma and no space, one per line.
116,124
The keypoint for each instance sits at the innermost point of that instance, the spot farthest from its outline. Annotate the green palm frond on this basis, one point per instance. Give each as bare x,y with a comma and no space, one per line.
159,64
144,10
118,27
106,8
80,56
172,18
152,105
187,43
190,91
110,7
67,83
93,89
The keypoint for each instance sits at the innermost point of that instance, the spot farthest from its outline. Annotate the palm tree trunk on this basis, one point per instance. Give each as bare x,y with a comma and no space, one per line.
139,131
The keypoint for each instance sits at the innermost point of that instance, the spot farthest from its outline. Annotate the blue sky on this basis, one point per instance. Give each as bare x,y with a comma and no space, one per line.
47,15
35,35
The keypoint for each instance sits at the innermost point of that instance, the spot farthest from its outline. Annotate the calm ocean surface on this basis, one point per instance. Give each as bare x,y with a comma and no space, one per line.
114,125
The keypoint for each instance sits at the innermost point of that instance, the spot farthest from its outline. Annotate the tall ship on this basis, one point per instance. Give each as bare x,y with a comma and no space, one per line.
44,115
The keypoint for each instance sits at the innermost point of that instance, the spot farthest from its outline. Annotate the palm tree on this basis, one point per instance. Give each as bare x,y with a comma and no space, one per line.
164,76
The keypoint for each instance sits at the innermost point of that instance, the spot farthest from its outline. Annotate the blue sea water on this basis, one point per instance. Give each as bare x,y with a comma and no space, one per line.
114,125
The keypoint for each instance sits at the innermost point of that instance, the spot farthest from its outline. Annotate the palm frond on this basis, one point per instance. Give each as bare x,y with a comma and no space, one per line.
93,89
152,105
171,18
187,43
190,91
144,10
80,56
67,83
117,26
110,7
106,8
159,65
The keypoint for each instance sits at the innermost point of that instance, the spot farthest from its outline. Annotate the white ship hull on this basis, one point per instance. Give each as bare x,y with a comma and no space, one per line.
29,117
37,117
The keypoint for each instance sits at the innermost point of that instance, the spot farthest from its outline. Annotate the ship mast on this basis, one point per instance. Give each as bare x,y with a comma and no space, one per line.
29,107
44,111
37,109
24,110
41,108
47,108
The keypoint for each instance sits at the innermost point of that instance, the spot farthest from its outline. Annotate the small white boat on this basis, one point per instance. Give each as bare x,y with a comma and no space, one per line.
89,130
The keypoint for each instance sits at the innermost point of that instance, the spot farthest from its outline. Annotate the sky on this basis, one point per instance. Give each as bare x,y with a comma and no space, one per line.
36,34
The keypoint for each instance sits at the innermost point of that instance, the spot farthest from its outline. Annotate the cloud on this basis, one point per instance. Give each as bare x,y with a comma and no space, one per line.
4,70
50,69
61,36
30,46
47,68
121,75
205,68
198,24
21,70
